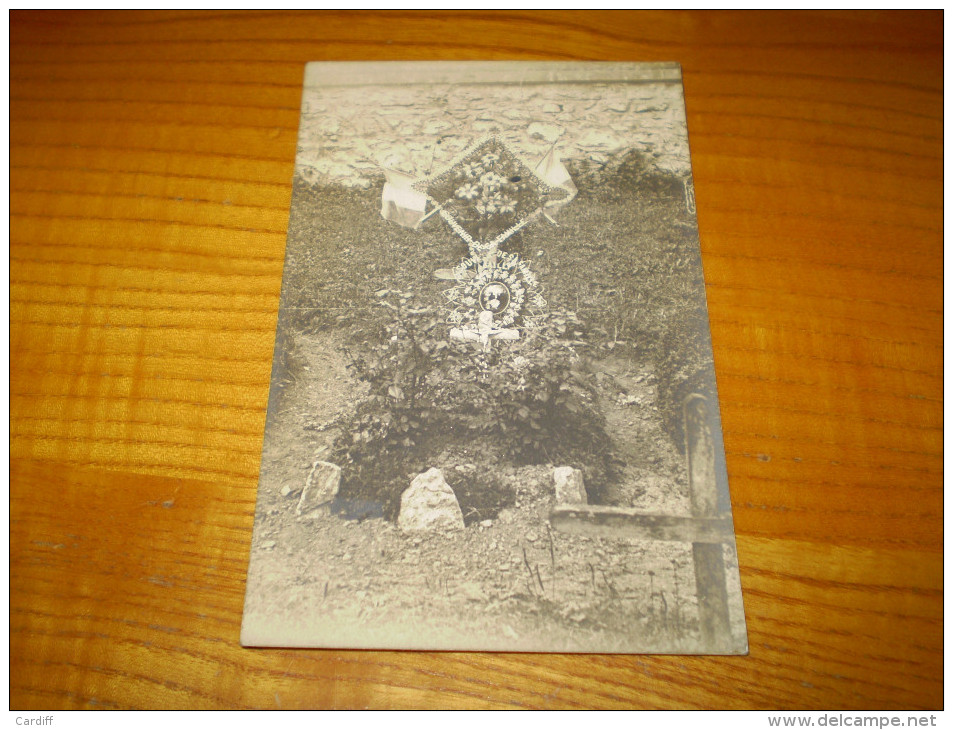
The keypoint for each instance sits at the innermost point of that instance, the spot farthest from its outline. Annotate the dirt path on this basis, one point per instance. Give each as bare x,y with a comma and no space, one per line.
655,479
318,391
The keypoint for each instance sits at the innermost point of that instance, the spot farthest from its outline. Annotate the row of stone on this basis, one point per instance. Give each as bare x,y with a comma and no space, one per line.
429,504
347,134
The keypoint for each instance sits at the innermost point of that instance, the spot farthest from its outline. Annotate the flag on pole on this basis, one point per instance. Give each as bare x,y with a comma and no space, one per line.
554,173
400,203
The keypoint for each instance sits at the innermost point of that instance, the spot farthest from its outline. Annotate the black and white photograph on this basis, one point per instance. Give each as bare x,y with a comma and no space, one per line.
493,422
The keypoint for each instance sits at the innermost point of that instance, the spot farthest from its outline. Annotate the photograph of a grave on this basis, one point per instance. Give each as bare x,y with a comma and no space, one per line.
493,421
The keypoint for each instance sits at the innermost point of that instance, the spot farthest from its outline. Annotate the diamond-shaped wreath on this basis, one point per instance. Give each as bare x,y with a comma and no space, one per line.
507,289
488,193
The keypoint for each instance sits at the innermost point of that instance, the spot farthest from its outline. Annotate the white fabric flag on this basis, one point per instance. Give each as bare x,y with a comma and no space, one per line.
399,202
555,174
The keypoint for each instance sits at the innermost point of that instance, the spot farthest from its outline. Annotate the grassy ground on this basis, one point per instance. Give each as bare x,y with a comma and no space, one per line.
624,258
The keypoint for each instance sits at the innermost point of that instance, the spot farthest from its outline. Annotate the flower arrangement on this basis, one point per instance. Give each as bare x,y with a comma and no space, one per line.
488,194
506,288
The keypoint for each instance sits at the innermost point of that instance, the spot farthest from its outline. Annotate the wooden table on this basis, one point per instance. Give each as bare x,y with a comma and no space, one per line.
151,165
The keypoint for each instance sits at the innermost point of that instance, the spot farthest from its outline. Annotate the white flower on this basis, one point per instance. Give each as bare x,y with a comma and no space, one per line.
491,181
468,192
472,170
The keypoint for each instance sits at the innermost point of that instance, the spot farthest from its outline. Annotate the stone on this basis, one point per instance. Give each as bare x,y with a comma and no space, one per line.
596,139
485,126
548,132
570,488
652,108
321,488
435,126
429,504
506,516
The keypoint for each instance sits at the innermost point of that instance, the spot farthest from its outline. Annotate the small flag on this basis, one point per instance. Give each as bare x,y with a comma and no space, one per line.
399,202
555,174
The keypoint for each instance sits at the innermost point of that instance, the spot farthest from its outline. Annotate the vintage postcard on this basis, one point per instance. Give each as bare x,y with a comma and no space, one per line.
493,421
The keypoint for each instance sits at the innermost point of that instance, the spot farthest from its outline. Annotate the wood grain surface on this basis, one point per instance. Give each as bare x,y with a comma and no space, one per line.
151,163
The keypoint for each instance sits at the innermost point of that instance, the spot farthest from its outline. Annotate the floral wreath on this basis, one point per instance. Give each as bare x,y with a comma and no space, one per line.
488,184
504,286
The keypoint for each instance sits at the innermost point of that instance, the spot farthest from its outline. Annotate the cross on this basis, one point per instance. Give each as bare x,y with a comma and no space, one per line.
485,332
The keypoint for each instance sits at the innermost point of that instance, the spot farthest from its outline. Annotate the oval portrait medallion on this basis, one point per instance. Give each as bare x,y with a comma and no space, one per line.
495,297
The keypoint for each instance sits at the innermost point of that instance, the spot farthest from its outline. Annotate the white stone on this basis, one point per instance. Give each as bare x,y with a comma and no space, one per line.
429,504
548,132
435,126
321,488
484,126
570,488
595,139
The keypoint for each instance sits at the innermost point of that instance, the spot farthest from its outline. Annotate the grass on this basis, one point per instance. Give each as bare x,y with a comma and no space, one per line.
624,257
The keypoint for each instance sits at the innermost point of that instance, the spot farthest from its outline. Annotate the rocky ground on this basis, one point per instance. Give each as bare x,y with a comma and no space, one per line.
506,583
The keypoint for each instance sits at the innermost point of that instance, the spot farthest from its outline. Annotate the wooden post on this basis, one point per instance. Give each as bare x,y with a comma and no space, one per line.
710,588
708,529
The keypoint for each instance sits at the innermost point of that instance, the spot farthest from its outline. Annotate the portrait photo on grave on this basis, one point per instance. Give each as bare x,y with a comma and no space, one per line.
493,422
